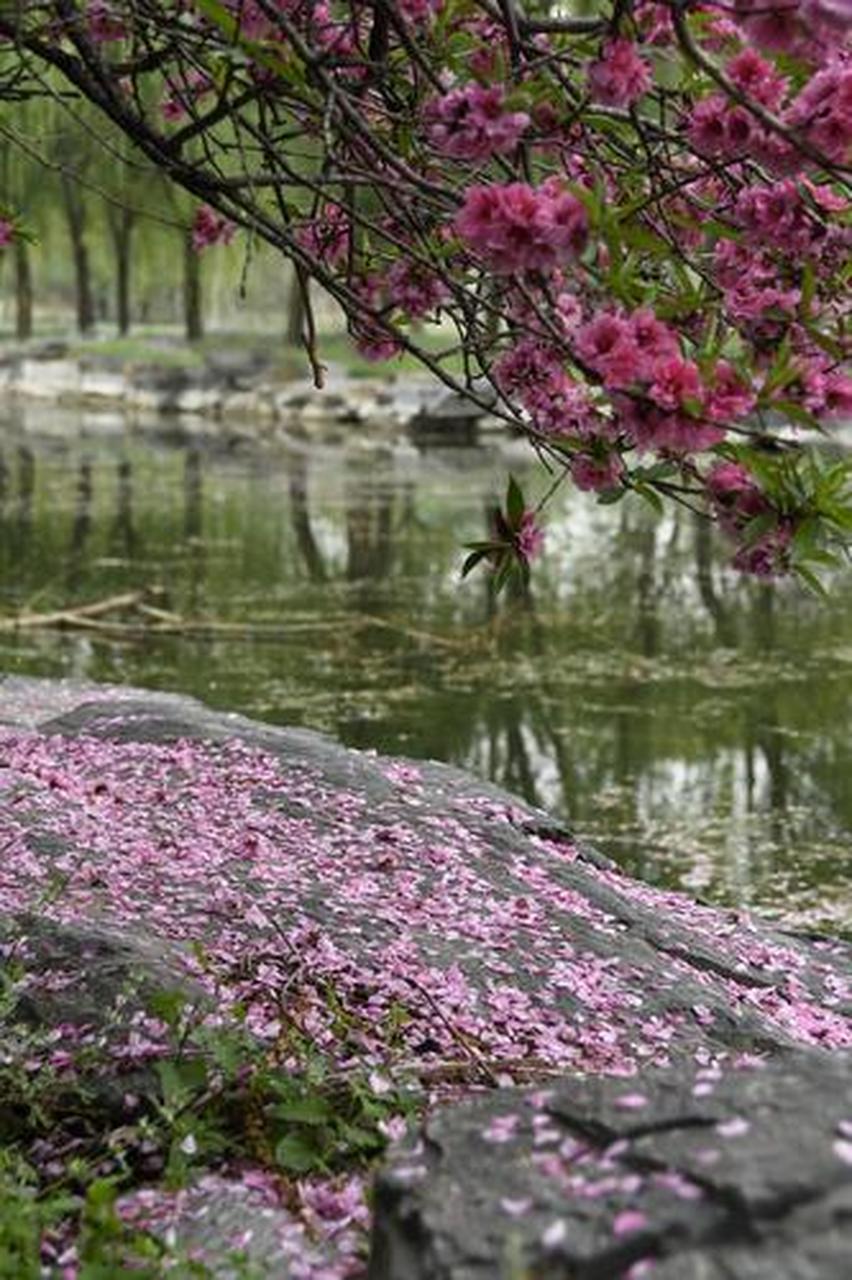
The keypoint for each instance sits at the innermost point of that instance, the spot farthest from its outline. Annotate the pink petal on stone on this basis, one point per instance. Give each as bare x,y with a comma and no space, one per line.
733,1128
629,1221
843,1150
555,1234
516,1208
631,1101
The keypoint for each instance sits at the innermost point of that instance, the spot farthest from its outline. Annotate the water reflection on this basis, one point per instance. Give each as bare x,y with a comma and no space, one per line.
694,725
123,536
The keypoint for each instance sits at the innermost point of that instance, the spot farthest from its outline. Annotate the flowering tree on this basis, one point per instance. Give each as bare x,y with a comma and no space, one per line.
630,223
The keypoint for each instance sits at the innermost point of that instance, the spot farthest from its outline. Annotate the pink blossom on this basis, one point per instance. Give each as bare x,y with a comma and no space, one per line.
516,1208
677,383
416,289
823,110
757,78
620,76
595,473
521,228
707,129
472,123
529,537
629,1221
730,478
608,344
105,25
327,236
728,399
501,1129
7,233
654,339
210,228
374,340
419,10
768,556
771,26
831,13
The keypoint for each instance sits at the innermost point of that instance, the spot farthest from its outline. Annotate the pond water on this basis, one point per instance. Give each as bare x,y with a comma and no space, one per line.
693,725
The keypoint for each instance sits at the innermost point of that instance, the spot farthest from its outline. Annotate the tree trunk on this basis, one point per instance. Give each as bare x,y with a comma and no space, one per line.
121,224
295,312
192,302
23,291
75,212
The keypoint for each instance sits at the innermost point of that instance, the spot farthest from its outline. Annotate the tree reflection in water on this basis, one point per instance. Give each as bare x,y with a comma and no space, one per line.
695,725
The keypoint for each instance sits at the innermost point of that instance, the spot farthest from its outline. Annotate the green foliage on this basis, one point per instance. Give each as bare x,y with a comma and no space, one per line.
218,1096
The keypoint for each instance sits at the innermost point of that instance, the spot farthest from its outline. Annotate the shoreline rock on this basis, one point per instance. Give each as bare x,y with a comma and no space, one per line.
239,393
429,929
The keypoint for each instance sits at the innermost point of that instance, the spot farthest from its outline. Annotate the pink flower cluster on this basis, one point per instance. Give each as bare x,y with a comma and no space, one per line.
373,340
751,285
620,76
327,236
516,227
529,537
472,123
210,228
679,409
419,10
104,24
823,111
415,289
826,390
737,499
778,216
626,349
7,233
255,21
532,374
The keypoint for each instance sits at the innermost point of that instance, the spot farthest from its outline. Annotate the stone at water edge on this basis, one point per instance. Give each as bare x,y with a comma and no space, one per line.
397,884
683,1174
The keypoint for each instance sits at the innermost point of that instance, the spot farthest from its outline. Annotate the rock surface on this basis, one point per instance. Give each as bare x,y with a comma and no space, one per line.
705,1173
237,393
422,925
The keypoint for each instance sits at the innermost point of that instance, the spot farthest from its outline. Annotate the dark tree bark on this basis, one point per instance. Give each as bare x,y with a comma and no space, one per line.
75,212
23,291
121,224
295,312
193,312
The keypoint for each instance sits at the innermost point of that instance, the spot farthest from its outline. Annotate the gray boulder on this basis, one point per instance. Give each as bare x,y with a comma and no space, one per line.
648,1077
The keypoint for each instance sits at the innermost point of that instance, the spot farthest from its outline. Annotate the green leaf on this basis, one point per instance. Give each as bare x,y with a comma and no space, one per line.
797,413
607,497
810,579
168,1006
504,572
515,505
297,1154
651,497
756,528
309,1110
475,558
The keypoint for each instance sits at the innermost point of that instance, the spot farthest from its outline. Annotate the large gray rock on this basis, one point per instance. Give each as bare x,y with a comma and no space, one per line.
410,922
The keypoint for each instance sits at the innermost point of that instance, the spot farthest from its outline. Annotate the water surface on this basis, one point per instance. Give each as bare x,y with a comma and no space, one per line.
694,725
